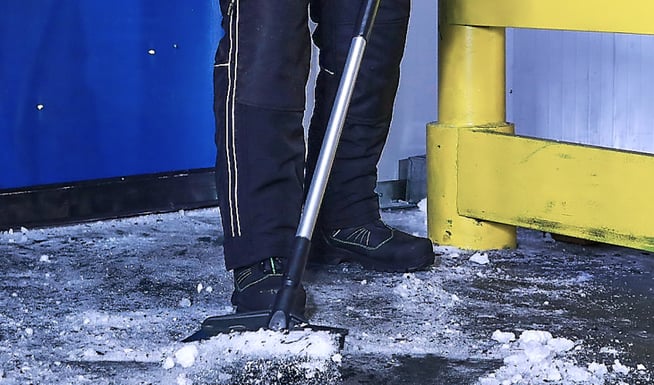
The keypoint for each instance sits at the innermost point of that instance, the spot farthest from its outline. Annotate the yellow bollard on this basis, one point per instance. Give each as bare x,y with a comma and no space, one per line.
471,96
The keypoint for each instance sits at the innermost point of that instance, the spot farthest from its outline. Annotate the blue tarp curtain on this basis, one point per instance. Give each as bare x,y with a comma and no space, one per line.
96,89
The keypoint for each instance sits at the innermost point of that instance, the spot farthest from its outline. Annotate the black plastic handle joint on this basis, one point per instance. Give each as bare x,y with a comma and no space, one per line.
367,17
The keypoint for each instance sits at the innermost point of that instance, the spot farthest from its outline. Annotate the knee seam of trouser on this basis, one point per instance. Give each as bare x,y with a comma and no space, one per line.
268,107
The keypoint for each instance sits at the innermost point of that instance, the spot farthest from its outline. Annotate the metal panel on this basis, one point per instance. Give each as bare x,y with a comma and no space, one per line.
591,88
416,103
101,89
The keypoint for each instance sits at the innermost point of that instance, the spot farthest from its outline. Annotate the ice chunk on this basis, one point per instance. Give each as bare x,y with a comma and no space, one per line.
577,374
536,352
168,363
185,302
560,345
503,337
183,380
539,336
480,258
553,374
186,355
422,205
619,368
598,370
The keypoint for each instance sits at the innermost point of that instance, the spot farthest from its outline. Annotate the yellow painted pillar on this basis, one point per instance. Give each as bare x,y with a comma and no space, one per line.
471,96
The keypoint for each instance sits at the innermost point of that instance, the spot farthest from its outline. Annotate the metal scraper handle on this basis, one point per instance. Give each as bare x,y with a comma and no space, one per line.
296,265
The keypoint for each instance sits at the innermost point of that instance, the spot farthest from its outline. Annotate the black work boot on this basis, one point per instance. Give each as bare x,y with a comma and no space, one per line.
374,246
256,286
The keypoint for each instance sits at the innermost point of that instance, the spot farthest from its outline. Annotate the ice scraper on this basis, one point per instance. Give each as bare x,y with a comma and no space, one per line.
280,317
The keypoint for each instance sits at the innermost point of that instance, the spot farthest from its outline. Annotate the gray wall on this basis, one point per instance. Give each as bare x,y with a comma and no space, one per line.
416,102
590,88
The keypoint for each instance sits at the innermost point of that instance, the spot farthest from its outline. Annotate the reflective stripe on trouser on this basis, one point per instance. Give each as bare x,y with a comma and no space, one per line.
262,66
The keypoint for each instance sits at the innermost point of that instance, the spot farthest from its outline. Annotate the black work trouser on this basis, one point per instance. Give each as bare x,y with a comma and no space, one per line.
261,71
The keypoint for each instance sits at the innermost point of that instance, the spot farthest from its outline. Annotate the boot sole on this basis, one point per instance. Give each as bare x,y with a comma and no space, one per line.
335,257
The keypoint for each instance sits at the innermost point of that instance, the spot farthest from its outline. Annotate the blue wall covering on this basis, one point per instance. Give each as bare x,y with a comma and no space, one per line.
96,89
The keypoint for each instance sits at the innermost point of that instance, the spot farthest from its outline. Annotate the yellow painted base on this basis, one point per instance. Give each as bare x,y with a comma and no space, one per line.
580,191
445,225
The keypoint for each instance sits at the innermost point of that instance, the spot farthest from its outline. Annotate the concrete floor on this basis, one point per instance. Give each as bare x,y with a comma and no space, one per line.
600,296
135,283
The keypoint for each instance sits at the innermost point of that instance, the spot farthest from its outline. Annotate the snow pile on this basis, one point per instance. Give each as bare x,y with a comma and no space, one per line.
17,237
107,302
262,357
411,287
538,358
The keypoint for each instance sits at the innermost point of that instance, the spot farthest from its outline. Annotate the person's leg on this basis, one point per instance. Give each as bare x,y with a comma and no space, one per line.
349,221
261,70
350,193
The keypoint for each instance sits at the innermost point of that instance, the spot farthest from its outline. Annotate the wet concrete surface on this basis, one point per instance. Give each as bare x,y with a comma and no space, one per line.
134,283
598,295
426,369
